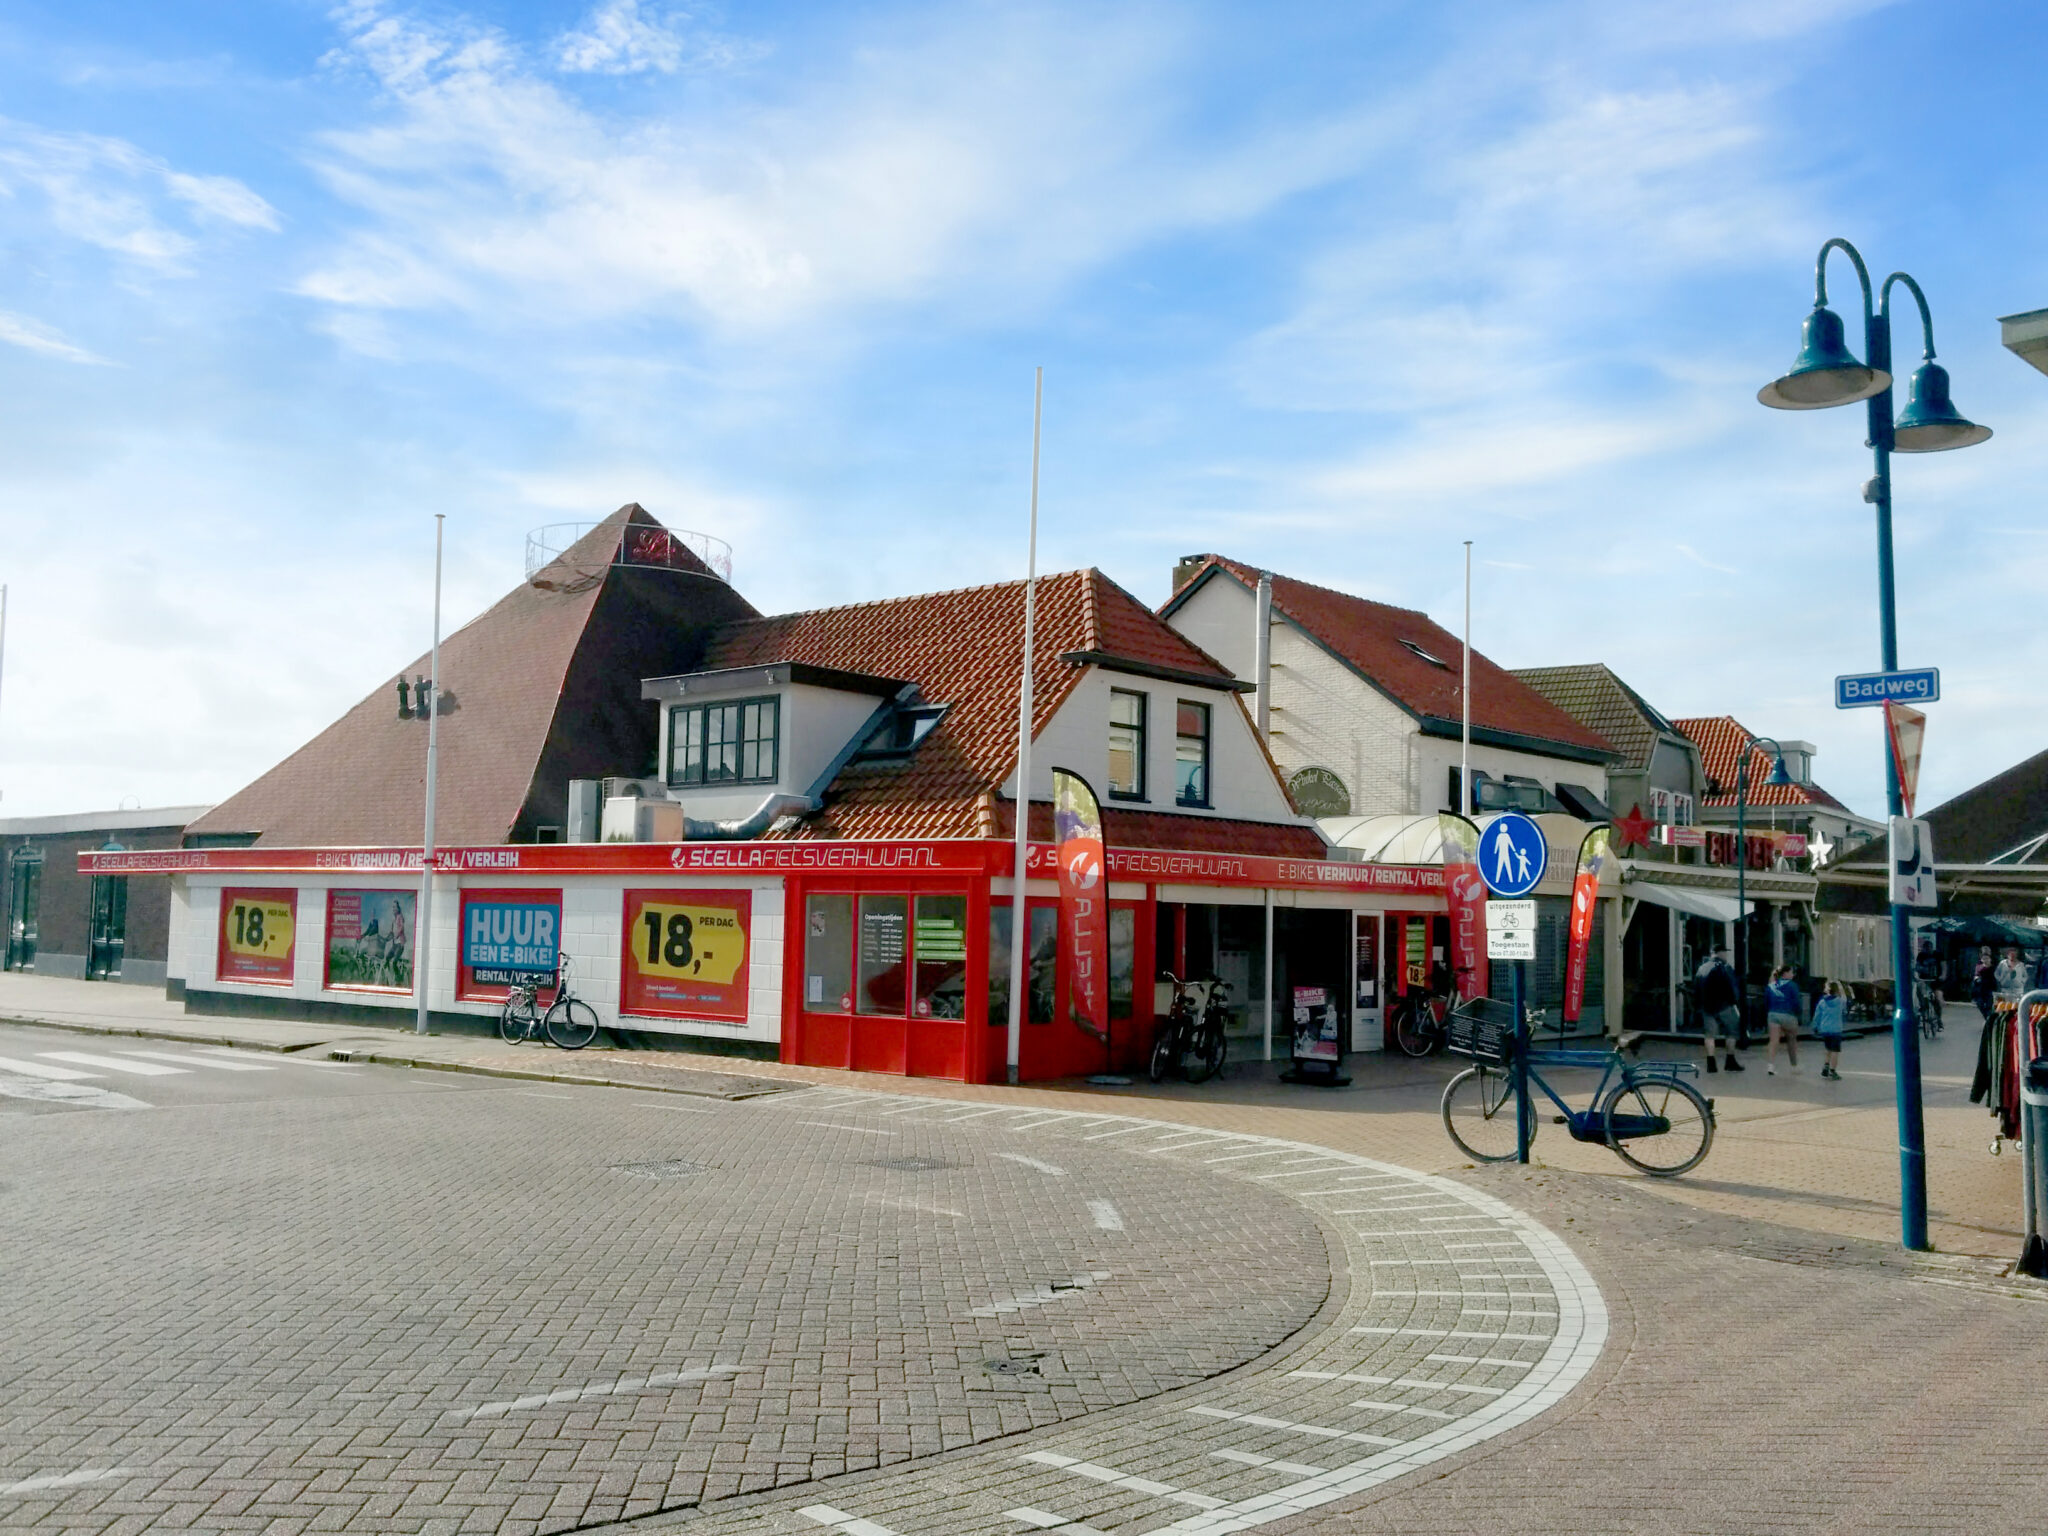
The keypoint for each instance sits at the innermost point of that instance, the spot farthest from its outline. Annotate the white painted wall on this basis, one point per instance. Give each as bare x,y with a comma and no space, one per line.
1241,783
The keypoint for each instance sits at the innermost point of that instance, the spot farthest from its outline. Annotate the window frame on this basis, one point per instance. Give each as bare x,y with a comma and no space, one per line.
1144,730
679,717
1206,738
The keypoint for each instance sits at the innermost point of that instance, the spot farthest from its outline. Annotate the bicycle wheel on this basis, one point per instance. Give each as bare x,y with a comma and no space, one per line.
572,1024
1206,1060
1479,1113
1412,1034
518,1020
1164,1056
1659,1124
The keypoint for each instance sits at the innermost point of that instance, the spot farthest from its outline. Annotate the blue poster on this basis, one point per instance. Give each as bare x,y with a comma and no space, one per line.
503,938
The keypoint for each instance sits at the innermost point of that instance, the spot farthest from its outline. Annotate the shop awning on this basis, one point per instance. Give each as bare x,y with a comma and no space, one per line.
1685,898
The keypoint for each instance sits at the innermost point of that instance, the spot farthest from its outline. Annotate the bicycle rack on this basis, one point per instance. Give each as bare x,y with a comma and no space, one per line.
2033,1073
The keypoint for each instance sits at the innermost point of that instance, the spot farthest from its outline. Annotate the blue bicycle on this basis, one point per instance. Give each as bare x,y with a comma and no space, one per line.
1646,1113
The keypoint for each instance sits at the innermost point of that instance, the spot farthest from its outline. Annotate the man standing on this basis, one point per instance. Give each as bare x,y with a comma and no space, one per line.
1715,990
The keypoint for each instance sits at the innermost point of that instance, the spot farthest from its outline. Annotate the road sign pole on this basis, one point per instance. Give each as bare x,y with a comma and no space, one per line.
1525,1127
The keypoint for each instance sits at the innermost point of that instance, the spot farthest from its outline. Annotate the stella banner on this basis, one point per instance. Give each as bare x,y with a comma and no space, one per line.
1465,897
1084,900
1595,854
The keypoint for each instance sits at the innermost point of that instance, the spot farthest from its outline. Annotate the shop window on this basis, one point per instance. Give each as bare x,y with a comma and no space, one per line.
1123,960
1042,973
1126,744
735,743
1191,754
883,954
828,954
939,946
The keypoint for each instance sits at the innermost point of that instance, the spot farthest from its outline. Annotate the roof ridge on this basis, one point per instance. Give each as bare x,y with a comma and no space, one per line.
914,597
1279,576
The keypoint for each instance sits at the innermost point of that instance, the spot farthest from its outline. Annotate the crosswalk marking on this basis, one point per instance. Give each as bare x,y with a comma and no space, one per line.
78,1095
112,1063
1290,1468
1520,1365
1096,1472
273,1058
201,1061
839,1520
1045,1521
1319,1431
37,1069
67,1479
1422,1382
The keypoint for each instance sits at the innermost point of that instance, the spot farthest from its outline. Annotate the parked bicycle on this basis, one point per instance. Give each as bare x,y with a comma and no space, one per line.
1191,1036
1927,1008
1646,1113
568,1021
1416,1024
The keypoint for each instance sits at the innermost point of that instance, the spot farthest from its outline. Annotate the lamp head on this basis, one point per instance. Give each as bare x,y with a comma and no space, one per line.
1778,773
1825,372
1930,422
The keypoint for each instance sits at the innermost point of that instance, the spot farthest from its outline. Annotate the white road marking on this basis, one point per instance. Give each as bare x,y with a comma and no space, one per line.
1449,1246
1464,1333
1042,1295
1050,1522
193,1059
523,1093
912,1205
1423,1382
1481,1295
112,1063
975,1114
37,1069
1238,1157
1107,1217
605,1389
1298,1173
1125,1131
1032,1125
1051,1169
1427,1413
833,1125
76,1094
1291,1468
69,1479
1406,1231
274,1058
1321,1432
1096,1472
838,1520
1412,1263
1519,1365
1391,1209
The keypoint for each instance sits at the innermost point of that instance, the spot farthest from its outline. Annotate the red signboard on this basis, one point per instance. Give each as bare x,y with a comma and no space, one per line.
686,953
258,936
1594,857
1465,898
505,936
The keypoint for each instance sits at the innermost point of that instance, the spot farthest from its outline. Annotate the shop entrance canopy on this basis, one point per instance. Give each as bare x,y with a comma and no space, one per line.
1684,898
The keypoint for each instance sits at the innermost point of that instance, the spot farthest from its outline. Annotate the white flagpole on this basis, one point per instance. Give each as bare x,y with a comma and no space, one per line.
1020,938
1469,805
423,922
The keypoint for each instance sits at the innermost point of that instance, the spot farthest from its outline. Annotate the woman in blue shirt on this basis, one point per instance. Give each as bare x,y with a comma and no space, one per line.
1828,1014
1781,1003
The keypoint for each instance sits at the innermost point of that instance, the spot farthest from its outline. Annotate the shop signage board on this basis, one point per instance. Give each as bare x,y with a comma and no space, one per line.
1866,690
1512,854
258,936
686,953
1315,1026
508,936
370,940
1511,930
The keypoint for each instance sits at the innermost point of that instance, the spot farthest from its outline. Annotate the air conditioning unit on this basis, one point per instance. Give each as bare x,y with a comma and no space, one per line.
637,789
632,819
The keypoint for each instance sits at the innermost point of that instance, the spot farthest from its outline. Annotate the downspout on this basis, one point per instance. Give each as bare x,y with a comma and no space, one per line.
1262,656
779,805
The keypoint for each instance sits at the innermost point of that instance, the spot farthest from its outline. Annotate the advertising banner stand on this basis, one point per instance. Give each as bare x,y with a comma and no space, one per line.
1318,1049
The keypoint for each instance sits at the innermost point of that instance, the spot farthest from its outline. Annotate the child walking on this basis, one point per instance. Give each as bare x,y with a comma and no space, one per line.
1828,1014
1781,1003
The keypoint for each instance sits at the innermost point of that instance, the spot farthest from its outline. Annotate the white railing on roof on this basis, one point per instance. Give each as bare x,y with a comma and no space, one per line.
644,545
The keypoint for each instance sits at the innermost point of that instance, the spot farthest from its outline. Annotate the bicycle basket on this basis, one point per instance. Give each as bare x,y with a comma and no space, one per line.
1483,1029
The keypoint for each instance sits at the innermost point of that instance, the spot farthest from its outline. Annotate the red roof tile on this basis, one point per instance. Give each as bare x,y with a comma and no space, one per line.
1177,834
1374,638
964,649
1720,738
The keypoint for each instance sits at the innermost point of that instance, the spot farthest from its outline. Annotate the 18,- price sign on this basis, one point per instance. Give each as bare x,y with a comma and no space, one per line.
686,953
258,935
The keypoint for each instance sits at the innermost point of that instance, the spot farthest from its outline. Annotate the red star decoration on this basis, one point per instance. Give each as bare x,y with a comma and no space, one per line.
1633,829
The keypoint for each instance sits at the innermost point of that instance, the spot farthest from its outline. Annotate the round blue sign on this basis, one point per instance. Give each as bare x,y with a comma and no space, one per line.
1512,854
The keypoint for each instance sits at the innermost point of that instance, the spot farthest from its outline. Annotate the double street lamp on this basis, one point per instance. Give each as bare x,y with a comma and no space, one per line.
1827,373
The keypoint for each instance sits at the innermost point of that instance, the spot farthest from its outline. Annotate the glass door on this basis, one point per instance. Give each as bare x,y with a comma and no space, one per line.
109,937
24,897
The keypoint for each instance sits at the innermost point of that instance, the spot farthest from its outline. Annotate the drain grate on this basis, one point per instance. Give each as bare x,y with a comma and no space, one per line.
674,1168
1013,1365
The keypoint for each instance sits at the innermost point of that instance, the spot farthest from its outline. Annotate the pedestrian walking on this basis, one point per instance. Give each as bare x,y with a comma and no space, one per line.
1781,1007
1829,1011
2011,978
1715,988
1984,984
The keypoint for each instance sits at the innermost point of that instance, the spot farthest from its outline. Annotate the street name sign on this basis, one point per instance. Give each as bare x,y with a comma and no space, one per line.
1864,690
1512,854
1511,930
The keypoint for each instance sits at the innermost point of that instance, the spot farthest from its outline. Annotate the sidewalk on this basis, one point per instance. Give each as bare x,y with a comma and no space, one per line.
1791,1150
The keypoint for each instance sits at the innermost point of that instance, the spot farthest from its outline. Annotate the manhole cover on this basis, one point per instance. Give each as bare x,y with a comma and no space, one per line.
674,1168
1026,1365
911,1164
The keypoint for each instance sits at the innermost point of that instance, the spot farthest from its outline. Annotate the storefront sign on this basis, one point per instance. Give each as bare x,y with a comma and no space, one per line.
1315,1026
508,936
258,936
1084,900
1319,792
686,953
1595,855
370,940
1465,897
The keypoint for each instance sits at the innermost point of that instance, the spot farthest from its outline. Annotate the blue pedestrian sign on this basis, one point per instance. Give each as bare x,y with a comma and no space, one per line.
1512,854
1862,690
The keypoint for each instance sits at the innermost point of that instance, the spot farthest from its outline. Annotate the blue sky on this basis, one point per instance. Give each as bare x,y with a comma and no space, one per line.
1329,288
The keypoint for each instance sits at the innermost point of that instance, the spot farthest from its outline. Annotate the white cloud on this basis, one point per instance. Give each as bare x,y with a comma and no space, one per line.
619,38
108,193
34,336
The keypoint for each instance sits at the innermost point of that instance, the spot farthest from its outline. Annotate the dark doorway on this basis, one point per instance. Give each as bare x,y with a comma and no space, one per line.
109,936
24,899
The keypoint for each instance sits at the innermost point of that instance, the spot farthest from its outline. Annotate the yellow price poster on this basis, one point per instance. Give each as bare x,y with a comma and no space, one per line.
258,935
686,953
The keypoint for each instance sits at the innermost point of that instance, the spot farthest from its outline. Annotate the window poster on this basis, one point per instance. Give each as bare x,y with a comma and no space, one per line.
369,940
686,953
508,937
258,935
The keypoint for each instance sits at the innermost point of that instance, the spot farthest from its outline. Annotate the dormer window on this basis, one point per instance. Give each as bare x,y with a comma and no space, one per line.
900,734
1434,661
732,742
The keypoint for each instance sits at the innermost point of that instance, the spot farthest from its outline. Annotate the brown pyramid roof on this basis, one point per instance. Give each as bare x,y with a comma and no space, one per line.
542,688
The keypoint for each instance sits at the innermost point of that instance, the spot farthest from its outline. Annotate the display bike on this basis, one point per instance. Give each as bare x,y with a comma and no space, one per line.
1645,1112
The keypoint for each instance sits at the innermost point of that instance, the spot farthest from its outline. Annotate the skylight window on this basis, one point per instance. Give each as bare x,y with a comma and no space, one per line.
1434,661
